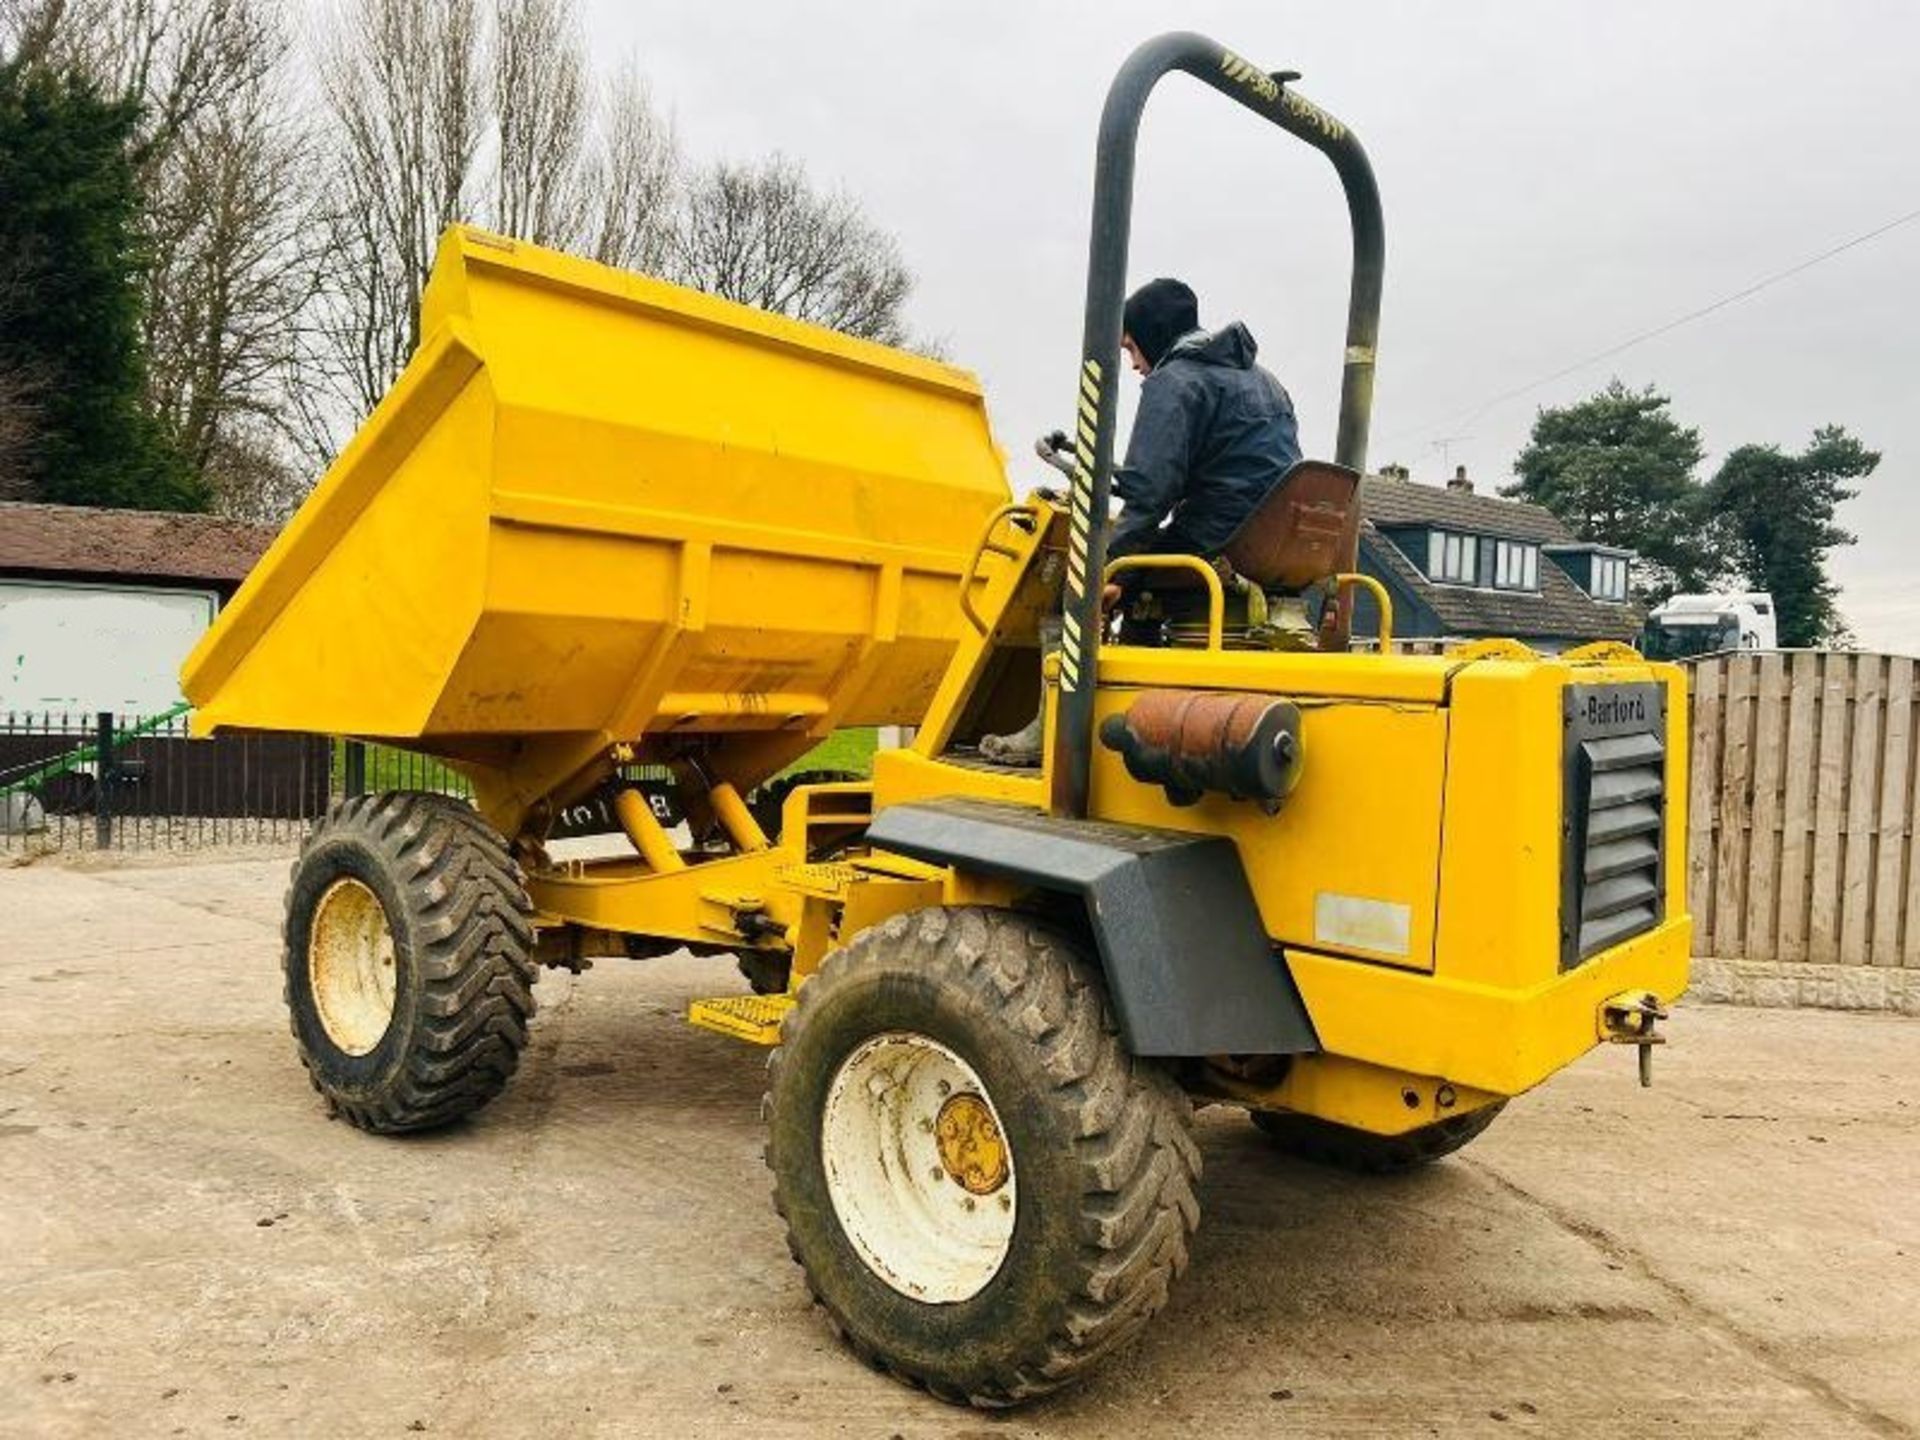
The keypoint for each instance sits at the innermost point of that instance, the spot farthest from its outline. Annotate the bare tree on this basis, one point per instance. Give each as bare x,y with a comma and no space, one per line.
440,112
180,58
29,29
257,480
761,234
404,91
229,292
287,266
635,178
542,103
222,161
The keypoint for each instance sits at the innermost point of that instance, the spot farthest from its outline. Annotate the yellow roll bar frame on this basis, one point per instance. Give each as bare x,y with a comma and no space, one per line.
1380,598
1216,592
1217,595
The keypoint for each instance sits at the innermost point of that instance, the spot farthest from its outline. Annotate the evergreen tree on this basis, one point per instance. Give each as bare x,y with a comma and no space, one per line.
1778,510
69,226
1618,468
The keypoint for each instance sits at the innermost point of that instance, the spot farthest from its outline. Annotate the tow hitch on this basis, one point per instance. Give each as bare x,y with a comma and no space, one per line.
1630,1018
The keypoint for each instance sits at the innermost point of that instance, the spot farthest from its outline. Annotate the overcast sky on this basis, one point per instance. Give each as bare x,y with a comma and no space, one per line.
1557,177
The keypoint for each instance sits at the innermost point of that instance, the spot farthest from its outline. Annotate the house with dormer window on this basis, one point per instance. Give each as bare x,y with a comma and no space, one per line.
1462,566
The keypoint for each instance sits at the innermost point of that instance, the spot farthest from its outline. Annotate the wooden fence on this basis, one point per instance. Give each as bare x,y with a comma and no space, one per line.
1802,808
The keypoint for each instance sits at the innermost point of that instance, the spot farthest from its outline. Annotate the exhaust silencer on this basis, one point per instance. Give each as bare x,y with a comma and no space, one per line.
1192,742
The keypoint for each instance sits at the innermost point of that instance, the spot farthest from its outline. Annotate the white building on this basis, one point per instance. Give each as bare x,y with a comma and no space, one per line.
99,607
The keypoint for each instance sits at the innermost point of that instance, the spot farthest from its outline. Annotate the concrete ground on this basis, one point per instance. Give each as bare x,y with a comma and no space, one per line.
191,1249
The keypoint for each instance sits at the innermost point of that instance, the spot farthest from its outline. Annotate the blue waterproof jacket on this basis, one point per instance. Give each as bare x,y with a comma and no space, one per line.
1214,433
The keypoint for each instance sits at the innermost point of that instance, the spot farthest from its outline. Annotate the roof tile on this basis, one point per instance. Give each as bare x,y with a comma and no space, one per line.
1406,502
148,544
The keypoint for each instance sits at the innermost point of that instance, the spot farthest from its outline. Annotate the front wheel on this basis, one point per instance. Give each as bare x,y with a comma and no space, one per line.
1345,1148
986,1193
408,962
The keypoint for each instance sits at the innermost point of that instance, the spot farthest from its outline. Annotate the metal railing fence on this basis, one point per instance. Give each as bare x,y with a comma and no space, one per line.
104,781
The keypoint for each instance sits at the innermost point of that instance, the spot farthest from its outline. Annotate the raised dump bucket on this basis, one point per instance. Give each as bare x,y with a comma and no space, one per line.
596,508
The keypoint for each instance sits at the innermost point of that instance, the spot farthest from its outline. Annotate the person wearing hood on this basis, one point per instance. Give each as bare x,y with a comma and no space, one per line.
1214,433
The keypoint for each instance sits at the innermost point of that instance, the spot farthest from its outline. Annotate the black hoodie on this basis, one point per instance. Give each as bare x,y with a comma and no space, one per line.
1213,435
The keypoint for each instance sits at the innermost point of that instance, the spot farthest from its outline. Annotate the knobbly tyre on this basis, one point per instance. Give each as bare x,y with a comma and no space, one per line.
602,522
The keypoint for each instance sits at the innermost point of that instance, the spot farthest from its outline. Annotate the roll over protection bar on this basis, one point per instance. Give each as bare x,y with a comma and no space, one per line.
1096,402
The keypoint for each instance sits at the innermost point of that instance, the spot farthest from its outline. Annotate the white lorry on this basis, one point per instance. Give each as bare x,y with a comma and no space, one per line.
1690,625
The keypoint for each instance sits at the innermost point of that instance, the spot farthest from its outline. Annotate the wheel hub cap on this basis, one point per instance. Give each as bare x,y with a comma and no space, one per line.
970,1145
350,966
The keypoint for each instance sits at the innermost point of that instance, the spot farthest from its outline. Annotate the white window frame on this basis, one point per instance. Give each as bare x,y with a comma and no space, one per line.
1609,578
1453,557
1516,565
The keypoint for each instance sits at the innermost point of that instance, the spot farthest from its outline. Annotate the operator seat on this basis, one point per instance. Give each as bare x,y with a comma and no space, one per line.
1306,531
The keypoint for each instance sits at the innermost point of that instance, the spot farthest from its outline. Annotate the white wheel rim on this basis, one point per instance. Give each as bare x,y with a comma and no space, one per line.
918,1168
350,967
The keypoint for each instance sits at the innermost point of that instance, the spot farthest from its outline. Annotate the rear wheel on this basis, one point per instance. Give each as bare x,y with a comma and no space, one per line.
986,1193
408,960
1342,1146
768,803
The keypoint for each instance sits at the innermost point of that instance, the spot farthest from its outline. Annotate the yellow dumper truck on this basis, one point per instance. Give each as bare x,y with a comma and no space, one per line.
604,523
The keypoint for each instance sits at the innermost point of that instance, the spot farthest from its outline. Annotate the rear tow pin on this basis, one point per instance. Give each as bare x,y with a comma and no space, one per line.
1631,1018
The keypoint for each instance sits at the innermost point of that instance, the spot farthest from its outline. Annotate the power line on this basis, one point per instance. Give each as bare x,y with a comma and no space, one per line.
1467,417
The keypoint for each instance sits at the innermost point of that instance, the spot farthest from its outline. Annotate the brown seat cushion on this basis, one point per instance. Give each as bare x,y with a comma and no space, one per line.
1304,531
